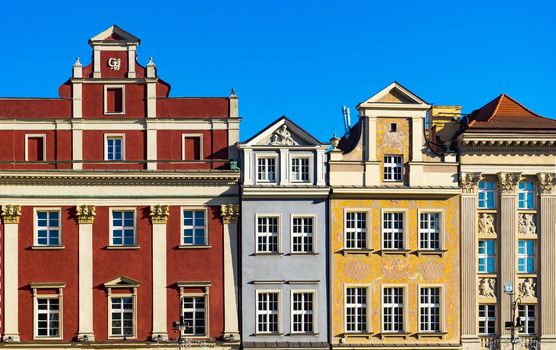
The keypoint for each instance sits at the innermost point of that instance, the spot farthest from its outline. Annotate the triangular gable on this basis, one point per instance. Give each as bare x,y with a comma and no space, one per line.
122,282
114,33
395,93
283,132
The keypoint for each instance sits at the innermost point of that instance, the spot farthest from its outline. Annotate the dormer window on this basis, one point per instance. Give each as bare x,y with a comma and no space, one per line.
300,169
393,166
266,169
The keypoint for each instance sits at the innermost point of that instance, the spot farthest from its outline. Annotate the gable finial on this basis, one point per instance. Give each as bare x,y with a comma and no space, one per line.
233,92
77,62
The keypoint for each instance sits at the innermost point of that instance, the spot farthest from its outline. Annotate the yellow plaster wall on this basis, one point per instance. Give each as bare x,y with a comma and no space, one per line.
412,270
392,143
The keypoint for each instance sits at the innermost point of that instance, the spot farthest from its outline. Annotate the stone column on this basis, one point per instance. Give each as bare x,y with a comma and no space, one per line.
85,218
468,266
10,216
230,214
159,218
507,183
547,274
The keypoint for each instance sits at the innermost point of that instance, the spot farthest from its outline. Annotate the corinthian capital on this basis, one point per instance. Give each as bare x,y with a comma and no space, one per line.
11,213
229,213
86,214
159,214
508,182
468,181
545,182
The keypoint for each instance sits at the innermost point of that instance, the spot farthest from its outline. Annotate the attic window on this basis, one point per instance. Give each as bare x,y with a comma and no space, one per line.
393,127
114,100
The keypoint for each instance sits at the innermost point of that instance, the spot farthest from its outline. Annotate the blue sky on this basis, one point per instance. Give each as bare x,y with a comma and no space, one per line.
303,59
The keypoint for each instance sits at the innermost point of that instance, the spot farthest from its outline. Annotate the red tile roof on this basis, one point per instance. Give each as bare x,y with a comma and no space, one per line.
504,114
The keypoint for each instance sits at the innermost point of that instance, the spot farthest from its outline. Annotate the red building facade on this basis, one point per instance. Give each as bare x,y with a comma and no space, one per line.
119,210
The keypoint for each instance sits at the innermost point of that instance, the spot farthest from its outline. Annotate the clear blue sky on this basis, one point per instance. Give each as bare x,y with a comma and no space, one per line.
303,59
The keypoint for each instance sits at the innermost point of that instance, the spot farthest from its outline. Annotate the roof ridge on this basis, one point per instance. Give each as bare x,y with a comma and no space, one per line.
525,108
500,97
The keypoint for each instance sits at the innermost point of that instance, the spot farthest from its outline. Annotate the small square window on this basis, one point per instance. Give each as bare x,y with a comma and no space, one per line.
393,166
487,192
47,228
123,228
114,100
300,169
194,227
393,127
266,169
114,147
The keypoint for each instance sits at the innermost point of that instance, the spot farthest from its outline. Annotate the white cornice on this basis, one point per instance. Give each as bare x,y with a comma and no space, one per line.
285,192
423,191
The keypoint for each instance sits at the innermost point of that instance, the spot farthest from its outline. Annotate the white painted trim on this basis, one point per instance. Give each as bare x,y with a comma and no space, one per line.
204,209
301,155
206,295
368,306
441,303
59,296
368,226
85,278
106,137
159,281
134,300
314,232
315,314
406,229
27,137
119,124
405,306
277,166
184,136
35,225
111,228
11,283
442,226
262,291
279,234
114,86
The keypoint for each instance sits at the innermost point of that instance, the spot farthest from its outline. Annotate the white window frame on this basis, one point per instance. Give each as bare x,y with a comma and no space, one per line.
405,229
27,137
357,306
278,234
526,193
36,227
135,237
184,293
486,319
430,306
441,228
113,136
367,234
310,160
199,136
111,86
304,234
271,155
258,312
486,192
527,257
134,318
486,256
393,165
37,294
312,312
526,320
182,226
392,306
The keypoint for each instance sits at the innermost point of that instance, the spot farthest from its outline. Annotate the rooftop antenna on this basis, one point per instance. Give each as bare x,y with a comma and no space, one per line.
347,121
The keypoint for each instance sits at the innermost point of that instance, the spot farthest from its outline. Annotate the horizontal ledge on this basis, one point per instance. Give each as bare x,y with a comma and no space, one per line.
47,247
123,247
193,246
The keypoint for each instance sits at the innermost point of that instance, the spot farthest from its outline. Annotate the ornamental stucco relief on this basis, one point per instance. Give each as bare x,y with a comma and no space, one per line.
528,287
487,224
487,287
527,224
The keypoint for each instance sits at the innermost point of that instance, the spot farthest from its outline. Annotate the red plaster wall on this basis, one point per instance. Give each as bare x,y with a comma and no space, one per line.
35,108
93,101
106,71
216,107
134,149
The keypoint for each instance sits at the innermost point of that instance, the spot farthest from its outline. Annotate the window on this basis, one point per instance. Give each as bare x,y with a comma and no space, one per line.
47,228
526,256
429,231
392,231
356,230
194,227
393,127
356,309
123,227
194,314
392,310
393,166
267,312
526,195
192,147
303,312
527,315
35,149
487,256
486,195
429,310
487,319
47,317
300,170
114,148
266,169
121,316
113,100
302,234
267,234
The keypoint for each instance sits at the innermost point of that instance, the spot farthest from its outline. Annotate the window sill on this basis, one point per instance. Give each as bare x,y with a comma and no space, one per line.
301,254
122,247
114,113
265,334
487,210
47,338
47,247
112,337
526,274
348,251
438,335
194,246
404,252
439,252
268,254
386,335
311,334
366,335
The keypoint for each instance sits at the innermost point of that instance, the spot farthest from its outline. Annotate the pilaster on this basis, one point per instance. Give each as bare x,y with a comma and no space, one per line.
131,57
229,214
159,218
10,218
283,167
85,218
417,139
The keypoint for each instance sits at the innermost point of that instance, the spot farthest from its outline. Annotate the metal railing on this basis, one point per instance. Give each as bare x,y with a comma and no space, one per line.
496,343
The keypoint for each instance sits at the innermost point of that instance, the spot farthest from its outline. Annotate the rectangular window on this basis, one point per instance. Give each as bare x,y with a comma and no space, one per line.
194,227
526,195
393,310
429,309
192,147
300,170
114,100
47,228
355,229
526,256
487,319
266,169
393,166
527,315
302,234
267,234
429,231
303,312
123,227
121,317
267,312
487,193
114,148
392,231
47,317
356,309
35,148
194,314
487,256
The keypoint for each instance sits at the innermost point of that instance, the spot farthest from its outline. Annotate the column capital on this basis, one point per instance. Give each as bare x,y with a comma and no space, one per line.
11,213
507,182
229,213
86,214
468,182
545,183
159,214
